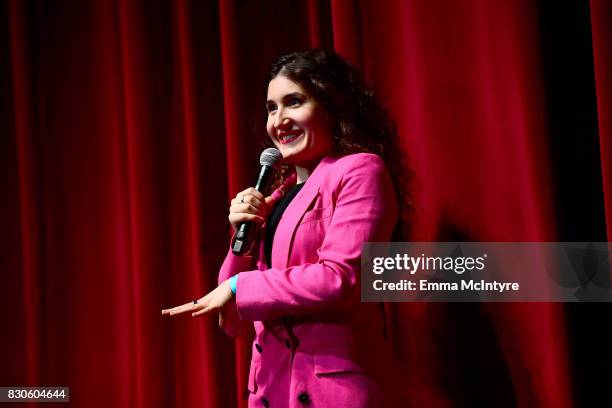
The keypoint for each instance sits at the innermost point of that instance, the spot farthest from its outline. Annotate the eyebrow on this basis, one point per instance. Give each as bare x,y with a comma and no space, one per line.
285,97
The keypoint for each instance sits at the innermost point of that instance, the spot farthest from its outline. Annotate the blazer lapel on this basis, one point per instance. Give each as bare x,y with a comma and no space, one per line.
286,228
283,237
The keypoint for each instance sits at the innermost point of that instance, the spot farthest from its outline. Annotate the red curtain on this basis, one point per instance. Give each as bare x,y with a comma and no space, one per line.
601,17
128,125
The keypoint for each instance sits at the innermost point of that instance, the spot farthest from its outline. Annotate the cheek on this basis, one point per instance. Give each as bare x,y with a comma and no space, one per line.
269,129
274,141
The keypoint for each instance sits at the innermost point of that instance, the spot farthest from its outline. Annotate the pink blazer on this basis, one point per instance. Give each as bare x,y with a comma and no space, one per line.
315,343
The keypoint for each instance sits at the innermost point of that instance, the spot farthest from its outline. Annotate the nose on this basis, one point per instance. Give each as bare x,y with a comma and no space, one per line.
281,121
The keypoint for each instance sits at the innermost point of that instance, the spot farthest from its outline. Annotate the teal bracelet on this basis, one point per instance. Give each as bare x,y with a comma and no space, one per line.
233,281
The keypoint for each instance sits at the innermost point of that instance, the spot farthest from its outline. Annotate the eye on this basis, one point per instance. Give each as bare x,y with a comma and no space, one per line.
294,101
270,108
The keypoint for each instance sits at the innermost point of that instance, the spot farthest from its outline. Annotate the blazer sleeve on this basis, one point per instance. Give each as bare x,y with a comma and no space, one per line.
365,211
229,319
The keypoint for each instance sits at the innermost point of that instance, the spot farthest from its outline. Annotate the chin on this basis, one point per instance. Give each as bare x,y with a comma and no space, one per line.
291,155
291,159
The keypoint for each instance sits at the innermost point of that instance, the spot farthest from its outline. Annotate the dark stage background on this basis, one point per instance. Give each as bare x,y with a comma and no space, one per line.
126,126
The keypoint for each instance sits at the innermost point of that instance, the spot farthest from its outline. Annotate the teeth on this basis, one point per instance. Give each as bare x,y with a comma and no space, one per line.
285,138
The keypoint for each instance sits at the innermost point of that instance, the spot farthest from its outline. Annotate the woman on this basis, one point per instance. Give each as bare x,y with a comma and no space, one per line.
316,344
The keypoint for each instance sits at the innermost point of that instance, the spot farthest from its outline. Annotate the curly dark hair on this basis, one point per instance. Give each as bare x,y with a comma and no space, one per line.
361,122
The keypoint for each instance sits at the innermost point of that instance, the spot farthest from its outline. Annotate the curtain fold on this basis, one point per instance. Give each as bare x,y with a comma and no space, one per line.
601,20
29,217
129,125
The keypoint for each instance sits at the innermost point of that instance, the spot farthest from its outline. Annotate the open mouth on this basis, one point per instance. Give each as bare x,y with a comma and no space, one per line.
289,137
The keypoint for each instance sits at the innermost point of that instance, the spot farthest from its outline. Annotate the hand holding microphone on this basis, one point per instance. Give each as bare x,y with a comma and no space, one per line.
250,206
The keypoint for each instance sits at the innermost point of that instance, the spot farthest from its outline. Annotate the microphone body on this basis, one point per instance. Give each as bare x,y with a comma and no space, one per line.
243,239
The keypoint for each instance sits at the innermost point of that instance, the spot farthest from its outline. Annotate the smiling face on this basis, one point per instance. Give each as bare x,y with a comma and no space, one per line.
298,126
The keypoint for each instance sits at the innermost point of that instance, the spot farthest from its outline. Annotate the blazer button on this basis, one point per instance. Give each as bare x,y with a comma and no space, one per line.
264,402
259,348
304,398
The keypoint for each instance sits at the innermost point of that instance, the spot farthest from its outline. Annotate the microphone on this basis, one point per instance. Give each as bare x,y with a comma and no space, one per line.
243,239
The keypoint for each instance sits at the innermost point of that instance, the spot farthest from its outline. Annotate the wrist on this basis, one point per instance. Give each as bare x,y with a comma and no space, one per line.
233,282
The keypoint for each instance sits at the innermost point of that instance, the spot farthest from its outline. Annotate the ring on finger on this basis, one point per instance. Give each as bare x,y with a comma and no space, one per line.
241,199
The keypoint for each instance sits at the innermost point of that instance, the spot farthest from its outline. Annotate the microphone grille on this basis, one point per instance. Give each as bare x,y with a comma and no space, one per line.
269,157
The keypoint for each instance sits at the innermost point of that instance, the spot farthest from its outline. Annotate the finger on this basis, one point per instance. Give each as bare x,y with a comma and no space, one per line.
167,311
236,218
248,199
177,312
244,208
243,192
251,191
183,309
204,311
254,201
269,200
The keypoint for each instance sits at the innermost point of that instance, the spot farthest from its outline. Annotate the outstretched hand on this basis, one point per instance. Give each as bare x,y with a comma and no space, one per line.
212,302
